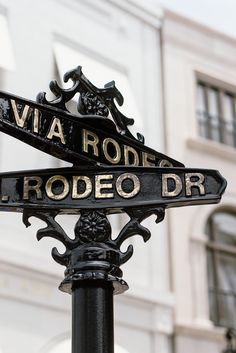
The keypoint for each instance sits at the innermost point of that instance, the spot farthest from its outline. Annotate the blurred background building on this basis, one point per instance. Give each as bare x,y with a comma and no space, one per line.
175,64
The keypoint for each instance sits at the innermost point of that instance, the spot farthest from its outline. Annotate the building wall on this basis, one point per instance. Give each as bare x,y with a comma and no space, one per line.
191,51
123,36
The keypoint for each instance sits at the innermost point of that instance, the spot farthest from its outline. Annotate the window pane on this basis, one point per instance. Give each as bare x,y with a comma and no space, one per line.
226,273
213,103
216,113
228,137
227,290
227,310
224,228
221,261
201,111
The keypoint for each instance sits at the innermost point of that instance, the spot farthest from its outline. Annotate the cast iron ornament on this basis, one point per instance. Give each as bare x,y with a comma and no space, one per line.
93,254
93,226
93,138
92,100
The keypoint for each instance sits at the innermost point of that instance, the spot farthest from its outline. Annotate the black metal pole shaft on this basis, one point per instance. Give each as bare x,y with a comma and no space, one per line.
92,317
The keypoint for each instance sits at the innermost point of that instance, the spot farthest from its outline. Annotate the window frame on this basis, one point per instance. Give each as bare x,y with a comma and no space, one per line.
222,89
215,248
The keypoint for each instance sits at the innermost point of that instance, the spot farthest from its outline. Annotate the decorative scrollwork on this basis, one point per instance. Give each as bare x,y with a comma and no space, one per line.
93,253
134,227
92,100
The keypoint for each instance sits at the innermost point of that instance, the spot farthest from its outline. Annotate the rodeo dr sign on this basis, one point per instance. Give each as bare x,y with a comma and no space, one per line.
134,174
70,189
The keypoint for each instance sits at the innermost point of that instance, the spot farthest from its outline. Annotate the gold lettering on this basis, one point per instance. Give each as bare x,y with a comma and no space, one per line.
99,187
35,187
119,185
177,185
20,120
90,139
164,163
56,125
128,152
148,159
117,157
36,121
198,183
64,192
88,187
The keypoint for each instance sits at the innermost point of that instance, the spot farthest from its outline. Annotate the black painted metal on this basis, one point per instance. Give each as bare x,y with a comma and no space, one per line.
93,255
92,100
92,317
94,106
230,336
13,186
93,275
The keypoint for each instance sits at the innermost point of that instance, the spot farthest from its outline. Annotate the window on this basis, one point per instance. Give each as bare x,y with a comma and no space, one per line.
221,253
216,113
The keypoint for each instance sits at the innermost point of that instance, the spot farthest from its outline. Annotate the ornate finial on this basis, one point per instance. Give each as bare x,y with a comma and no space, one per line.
93,254
92,100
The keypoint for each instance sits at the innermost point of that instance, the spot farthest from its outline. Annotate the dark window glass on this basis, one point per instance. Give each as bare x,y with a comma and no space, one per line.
221,259
216,114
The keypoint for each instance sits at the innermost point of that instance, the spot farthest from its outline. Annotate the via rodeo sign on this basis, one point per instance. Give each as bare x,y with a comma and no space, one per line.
112,170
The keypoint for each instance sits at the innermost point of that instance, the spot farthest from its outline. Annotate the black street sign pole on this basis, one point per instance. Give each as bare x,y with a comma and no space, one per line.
113,172
92,317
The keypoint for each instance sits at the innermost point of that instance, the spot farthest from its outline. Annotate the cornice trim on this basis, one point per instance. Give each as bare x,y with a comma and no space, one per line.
199,27
197,331
144,10
216,149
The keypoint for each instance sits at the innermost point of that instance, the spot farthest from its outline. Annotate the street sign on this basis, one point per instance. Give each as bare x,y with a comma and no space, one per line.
90,138
70,190
136,180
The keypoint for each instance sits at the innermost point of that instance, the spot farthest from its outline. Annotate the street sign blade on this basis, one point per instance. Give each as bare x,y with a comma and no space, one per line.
76,139
70,190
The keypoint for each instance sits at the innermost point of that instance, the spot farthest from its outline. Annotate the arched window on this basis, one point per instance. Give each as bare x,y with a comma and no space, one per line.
221,253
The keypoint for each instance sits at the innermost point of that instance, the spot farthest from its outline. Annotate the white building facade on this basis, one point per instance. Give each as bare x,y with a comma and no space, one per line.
199,70
182,290
112,40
